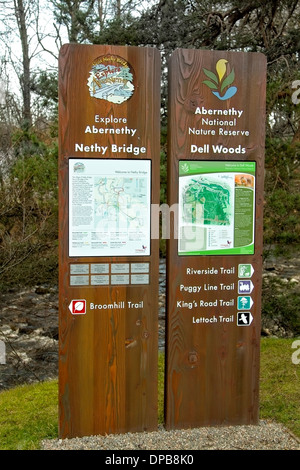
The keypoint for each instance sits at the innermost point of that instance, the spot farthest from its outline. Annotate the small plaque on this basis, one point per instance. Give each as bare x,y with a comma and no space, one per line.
100,268
79,280
140,279
120,268
117,279
99,280
139,267
79,269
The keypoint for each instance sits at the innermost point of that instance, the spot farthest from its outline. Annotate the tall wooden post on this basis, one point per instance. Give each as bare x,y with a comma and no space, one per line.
214,256
109,160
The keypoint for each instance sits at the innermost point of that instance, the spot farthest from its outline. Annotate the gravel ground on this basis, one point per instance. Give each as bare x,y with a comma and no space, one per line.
265,436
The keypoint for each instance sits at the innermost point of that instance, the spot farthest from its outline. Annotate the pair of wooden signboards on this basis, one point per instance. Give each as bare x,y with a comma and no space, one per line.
109,201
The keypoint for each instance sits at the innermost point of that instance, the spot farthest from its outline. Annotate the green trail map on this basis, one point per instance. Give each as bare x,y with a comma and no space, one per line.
216,207
209,199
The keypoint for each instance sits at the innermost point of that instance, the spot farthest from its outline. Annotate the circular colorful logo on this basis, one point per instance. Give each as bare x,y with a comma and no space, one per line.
111,79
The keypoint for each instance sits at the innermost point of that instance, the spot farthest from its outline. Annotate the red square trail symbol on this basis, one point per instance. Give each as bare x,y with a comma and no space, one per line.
78,307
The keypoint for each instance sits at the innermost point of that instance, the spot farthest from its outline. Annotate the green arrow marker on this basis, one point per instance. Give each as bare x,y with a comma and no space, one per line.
245,270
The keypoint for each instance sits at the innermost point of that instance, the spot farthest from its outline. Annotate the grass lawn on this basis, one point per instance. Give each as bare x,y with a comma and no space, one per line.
29,413
280,383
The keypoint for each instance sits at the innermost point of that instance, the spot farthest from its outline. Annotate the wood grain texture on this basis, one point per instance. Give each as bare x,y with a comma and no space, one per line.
212,370
107,358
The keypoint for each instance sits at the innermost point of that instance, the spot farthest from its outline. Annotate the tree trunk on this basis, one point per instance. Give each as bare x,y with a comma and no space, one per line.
25,79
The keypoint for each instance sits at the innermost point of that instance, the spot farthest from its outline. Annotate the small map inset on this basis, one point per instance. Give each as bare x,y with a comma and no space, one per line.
206,212
121,204
207,201
111,79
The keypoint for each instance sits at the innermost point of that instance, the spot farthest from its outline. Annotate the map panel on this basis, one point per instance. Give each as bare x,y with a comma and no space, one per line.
109,207
216,207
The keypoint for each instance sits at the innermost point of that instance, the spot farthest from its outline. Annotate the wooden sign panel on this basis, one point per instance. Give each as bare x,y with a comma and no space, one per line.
109,160
214,255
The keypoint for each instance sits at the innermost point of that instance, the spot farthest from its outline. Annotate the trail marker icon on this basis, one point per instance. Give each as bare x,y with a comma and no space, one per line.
78,307
244,318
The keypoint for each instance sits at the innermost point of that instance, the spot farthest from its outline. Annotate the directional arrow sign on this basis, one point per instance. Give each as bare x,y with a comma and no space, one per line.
245,287
78,307
245,302
244,318
245,270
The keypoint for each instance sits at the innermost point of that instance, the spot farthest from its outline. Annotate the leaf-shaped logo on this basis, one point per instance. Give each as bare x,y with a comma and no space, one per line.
228,80
79,306
184,167
211,84
220,82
